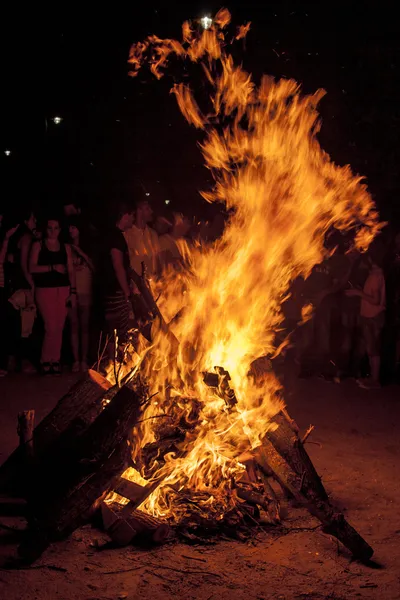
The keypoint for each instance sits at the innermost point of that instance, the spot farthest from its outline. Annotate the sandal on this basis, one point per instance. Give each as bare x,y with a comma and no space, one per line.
56,368
45,368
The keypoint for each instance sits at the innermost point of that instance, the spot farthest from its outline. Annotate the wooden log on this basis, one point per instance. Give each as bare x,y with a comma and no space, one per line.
135,493
253,497
118,528
70,495
123,524
25,427
59,474
68,513
147,526
274,508
26,421
87,393
130,490
286,441
333,521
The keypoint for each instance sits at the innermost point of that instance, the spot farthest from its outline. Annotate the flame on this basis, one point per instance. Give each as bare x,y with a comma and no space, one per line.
284,194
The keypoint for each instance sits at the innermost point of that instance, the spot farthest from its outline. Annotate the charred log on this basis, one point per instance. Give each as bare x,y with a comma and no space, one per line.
334,522
286,441
67,498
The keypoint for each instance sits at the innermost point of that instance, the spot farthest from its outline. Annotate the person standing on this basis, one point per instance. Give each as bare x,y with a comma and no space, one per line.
51,265
115,278
142,240
19,287
372,314
5,238
80,314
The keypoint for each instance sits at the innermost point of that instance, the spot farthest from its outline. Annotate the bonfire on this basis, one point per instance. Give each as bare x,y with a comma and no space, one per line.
191,430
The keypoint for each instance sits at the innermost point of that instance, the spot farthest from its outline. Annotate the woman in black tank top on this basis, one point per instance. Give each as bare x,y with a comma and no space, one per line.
54,278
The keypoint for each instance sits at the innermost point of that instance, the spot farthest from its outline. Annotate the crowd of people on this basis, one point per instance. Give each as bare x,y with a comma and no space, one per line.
355,316
62,283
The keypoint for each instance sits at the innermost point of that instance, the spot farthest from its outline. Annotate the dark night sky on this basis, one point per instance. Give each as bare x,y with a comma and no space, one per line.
123,136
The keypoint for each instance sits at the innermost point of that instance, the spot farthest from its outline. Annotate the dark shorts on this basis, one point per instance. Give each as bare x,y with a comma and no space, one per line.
372,331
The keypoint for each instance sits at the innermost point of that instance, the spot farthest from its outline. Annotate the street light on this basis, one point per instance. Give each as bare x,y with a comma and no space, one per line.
206,22
57,120
7,152
167,201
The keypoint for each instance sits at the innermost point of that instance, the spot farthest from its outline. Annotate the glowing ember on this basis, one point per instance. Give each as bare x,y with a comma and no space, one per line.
285,194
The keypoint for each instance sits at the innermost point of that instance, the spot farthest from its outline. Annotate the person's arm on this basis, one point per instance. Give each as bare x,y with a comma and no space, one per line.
378,297
117,258
4,246
71,276
84,256
33,261
375,298
25,246
70,268
338,283
3,251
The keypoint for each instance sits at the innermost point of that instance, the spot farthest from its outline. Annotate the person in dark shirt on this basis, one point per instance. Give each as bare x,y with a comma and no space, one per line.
321,290
349,360
115,276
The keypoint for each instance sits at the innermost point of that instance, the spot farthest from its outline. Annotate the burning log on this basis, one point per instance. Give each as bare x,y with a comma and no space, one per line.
79,402
286,441
333,521
119,530
253,497
124,524
147,526
67,496
136,494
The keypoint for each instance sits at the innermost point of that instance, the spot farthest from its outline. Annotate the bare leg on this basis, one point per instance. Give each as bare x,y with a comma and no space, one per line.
84,317
74,322
375,364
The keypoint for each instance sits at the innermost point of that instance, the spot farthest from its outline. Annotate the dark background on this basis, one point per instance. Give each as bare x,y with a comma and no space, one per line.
122,136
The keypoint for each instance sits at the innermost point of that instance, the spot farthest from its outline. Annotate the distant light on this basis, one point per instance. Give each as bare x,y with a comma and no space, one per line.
206,22
167,201
57,120
147,193
7,152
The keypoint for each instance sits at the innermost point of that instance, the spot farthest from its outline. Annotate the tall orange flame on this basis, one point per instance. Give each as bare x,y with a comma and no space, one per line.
285,194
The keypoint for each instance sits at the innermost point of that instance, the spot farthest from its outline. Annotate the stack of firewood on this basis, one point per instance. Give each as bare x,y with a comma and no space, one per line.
70,463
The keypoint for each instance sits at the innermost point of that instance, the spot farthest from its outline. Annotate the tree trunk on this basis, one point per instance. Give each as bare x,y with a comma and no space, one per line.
82,402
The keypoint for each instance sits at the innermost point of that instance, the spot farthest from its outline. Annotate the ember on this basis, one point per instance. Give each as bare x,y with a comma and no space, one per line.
209,438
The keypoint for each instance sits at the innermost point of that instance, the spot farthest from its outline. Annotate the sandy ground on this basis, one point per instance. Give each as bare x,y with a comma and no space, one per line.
358,457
